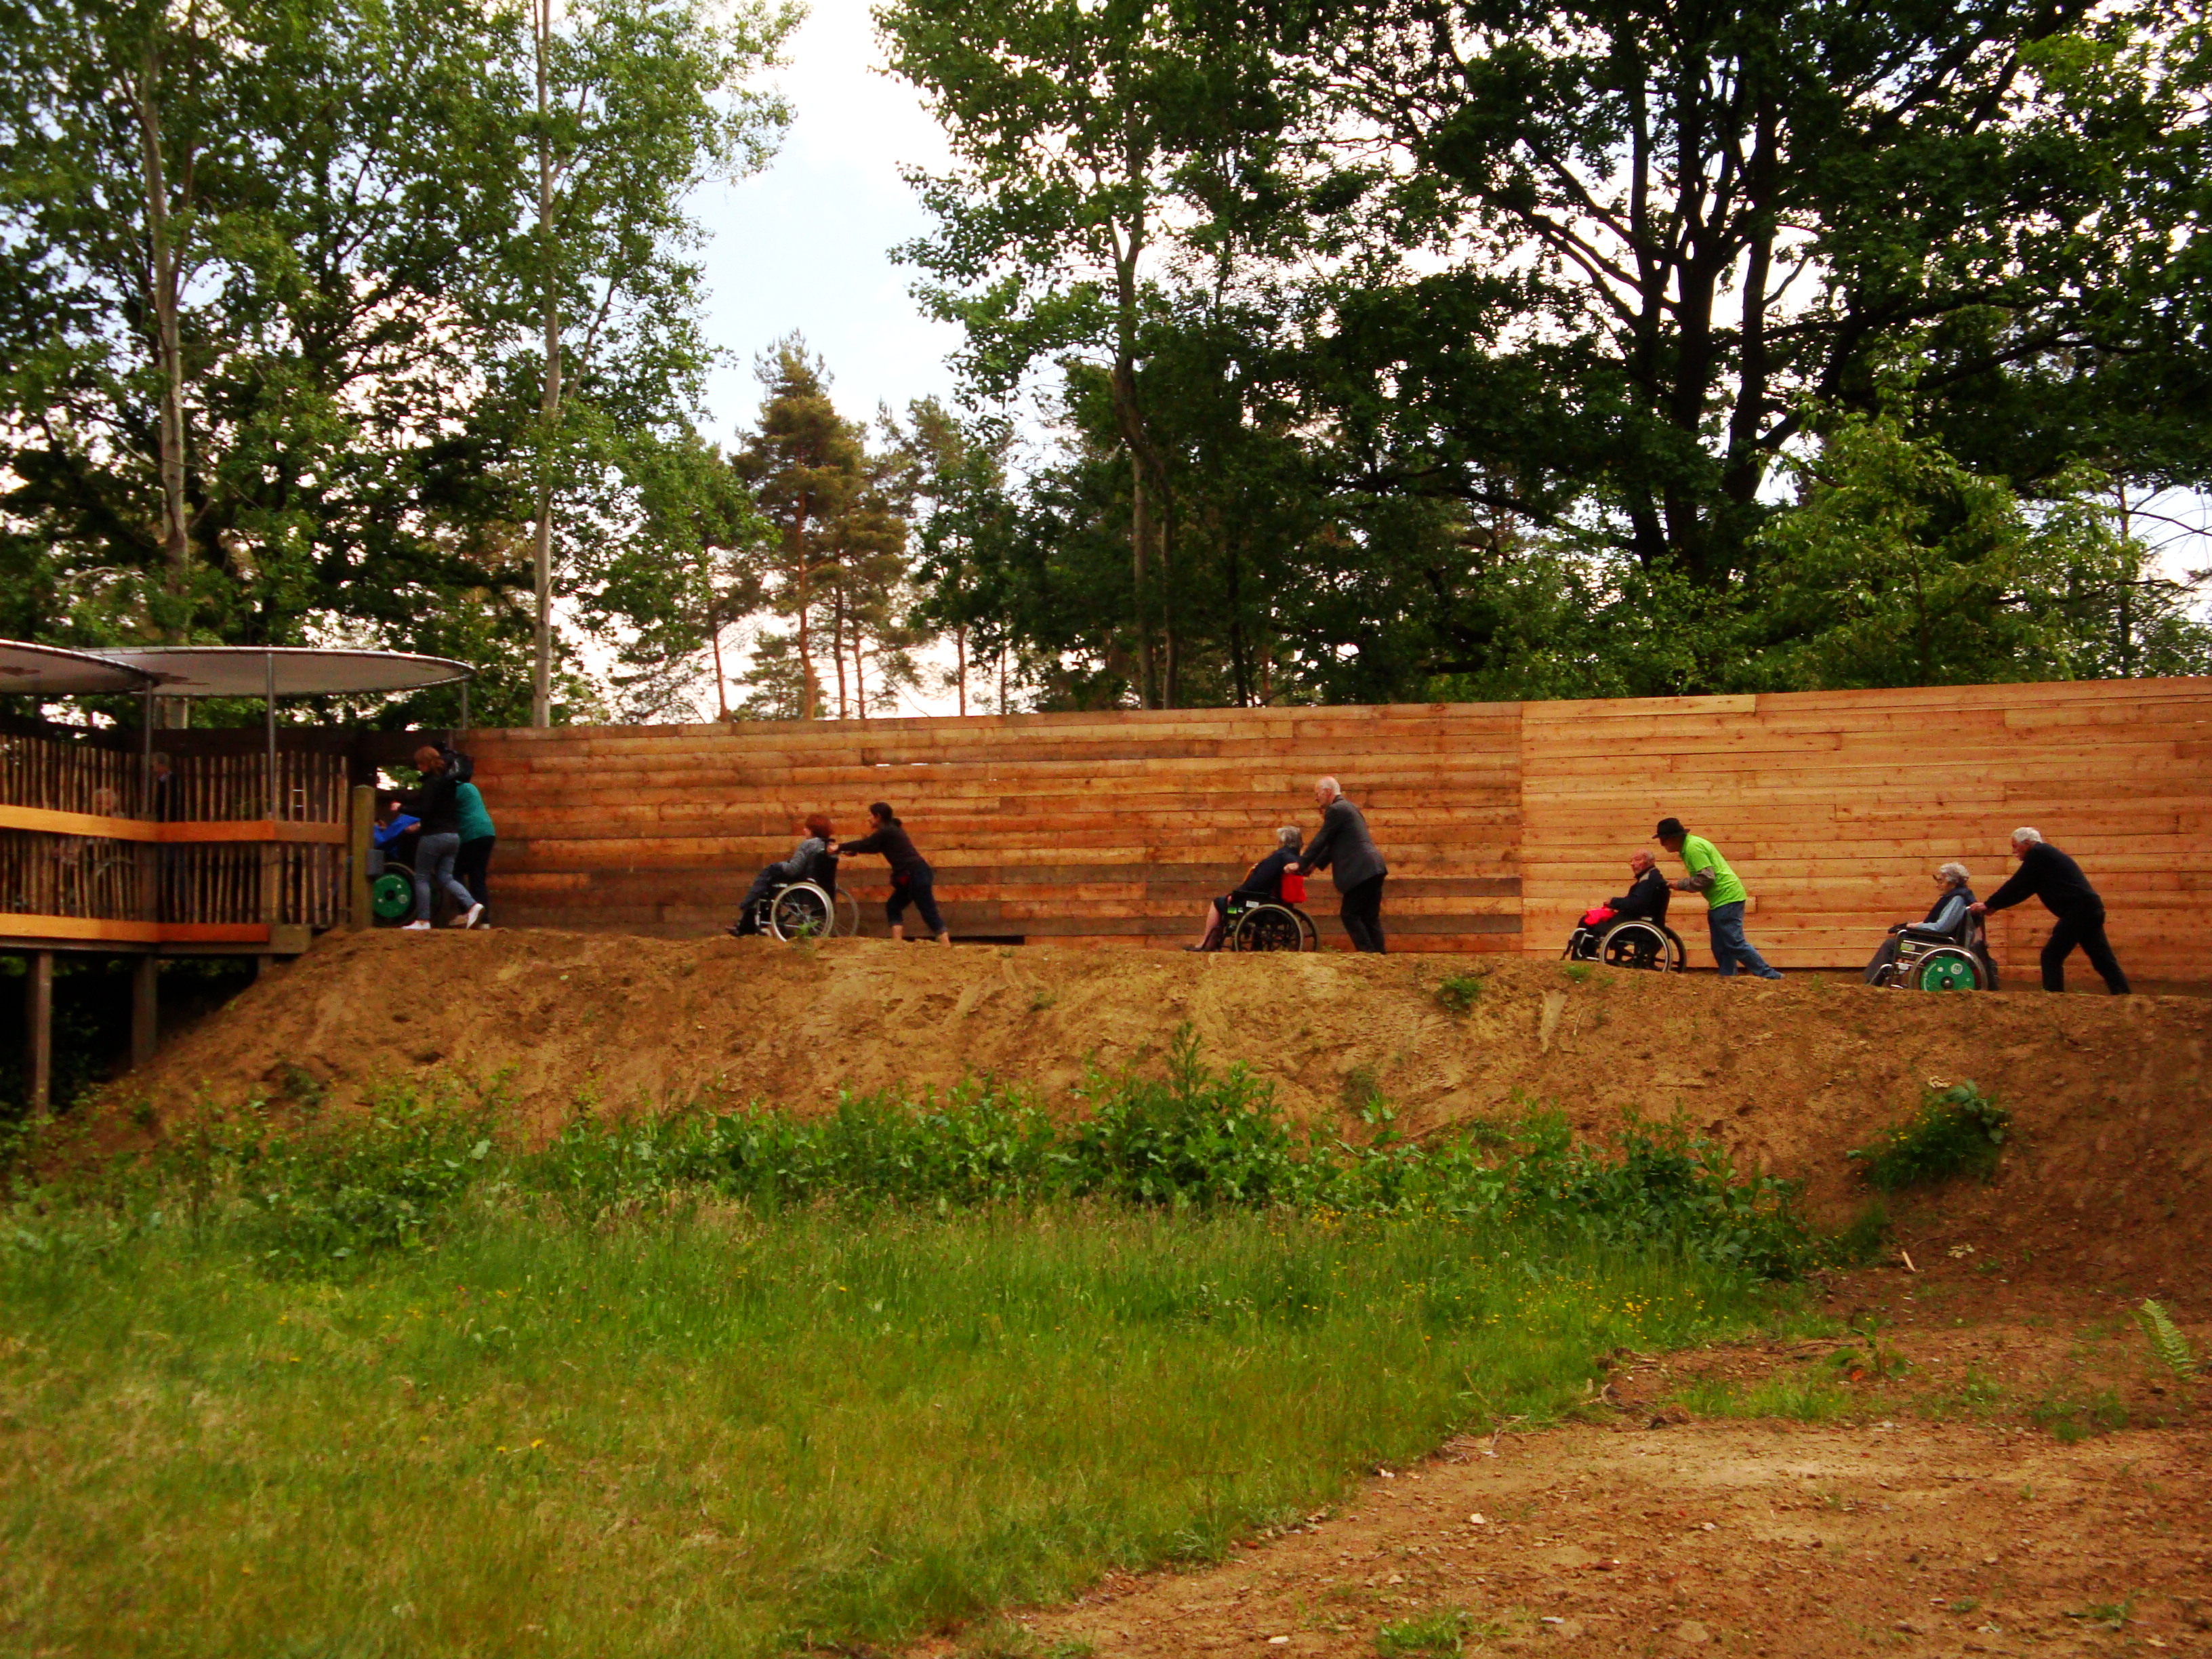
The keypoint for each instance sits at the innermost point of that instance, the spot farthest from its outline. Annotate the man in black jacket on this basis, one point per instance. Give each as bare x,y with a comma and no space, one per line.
2048,874
1648,893
1344,848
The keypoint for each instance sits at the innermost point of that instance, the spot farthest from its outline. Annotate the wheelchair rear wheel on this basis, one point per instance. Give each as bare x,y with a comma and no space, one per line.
848,915
1947,969
392,895
801,911
1641,944
1275,927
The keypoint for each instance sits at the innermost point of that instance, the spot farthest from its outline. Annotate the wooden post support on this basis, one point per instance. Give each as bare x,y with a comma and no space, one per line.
145,1008
363,816
39,1025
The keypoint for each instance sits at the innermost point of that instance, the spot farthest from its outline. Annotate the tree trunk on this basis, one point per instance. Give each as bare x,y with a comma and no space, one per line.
549,407
860,674
960,664
799,574
1141,536
837,645
721,680
176,548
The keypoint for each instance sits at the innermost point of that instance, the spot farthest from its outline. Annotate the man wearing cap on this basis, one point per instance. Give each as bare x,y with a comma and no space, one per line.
1708,873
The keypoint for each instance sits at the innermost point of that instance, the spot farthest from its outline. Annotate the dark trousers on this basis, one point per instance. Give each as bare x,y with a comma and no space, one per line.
472,866
920,891
2084,927
763,883
1361,910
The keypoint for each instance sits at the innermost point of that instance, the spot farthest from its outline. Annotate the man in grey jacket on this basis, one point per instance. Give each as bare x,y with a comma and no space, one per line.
1344,848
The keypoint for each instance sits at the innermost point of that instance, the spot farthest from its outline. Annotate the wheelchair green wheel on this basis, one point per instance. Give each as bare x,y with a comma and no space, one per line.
392,895
1948,970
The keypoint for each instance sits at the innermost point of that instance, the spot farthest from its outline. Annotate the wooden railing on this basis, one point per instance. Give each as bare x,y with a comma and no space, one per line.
84,858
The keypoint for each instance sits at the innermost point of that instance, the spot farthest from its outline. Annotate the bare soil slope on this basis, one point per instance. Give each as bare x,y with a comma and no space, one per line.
1934,1519
2107,1178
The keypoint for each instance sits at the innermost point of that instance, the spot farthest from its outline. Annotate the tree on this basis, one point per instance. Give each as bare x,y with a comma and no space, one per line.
1899,566
805,464
266,270
635,104
1081,131
1664,226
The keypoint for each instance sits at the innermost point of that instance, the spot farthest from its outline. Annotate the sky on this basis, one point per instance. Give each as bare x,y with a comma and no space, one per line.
805,244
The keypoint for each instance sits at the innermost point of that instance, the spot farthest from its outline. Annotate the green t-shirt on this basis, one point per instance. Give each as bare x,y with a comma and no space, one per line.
469,808
1699,854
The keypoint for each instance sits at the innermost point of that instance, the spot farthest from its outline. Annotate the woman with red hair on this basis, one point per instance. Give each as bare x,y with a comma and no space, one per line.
798,867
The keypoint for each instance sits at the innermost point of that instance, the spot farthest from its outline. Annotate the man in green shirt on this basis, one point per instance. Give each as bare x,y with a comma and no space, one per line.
1708,873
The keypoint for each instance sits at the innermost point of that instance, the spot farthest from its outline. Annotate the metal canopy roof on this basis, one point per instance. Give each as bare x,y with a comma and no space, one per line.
48,670
243,670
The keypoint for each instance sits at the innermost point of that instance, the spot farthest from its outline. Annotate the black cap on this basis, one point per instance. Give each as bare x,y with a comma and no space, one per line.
1668,827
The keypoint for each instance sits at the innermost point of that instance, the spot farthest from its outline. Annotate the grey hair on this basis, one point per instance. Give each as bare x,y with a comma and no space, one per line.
1329,784
1955,873
2032,835
1288,835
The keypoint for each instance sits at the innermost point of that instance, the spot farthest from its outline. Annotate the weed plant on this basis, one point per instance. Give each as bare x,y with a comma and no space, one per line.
1955,1130
738,1383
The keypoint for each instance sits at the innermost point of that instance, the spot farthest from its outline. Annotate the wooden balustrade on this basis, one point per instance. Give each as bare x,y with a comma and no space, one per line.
84,859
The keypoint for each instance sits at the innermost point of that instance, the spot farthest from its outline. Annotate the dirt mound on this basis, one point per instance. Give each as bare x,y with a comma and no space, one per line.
2105,1179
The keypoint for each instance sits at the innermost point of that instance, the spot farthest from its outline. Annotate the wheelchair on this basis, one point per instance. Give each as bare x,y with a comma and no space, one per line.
1636,942
1929,961
815,907
1268,925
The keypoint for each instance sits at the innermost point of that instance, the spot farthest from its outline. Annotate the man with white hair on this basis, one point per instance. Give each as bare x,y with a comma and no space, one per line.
2048,874
1344,848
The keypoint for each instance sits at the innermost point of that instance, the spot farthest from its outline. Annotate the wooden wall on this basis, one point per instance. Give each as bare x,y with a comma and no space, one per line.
1500,820
1836,807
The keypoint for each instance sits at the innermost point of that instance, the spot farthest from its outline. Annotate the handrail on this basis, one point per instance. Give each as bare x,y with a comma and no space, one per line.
47,820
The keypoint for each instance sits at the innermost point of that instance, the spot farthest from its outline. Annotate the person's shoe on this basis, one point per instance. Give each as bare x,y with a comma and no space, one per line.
467,918
416,927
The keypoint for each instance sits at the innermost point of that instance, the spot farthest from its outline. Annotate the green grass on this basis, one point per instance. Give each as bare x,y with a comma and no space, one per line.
712,1431
1806,1399
731,1382
1442,1630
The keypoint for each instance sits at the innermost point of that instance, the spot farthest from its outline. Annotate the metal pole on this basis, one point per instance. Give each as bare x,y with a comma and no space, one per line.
464,705
146,756
269,704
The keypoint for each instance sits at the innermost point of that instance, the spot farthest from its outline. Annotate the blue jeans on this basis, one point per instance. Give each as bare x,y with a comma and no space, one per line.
434,868
1725,922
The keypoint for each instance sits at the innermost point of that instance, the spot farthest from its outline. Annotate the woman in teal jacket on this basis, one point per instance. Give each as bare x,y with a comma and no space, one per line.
473,864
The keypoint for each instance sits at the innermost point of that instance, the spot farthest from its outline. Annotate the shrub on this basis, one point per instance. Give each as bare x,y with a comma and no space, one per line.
1194,1139
1956,1131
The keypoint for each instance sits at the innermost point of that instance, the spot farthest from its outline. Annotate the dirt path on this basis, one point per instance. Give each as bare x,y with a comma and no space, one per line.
1976,1503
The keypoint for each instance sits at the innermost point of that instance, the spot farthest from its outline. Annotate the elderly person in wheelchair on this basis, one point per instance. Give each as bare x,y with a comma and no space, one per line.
1945,950
1263,884
812,861
1630,931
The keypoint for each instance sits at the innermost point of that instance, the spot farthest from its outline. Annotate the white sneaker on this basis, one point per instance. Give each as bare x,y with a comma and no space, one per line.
416,927
467,918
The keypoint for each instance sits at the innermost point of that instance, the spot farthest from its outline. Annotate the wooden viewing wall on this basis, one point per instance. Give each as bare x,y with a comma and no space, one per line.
1500,821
